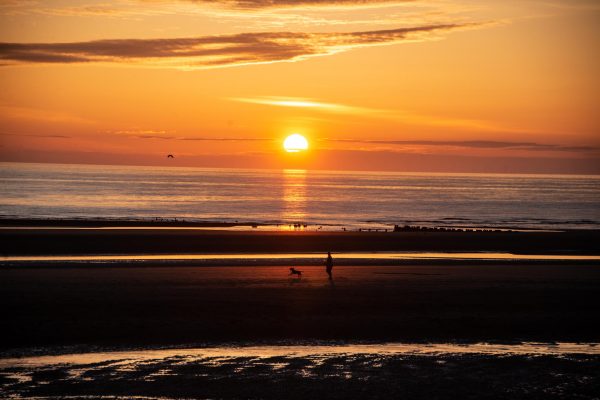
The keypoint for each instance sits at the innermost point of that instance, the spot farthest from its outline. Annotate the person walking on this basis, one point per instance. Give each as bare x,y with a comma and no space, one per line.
329,265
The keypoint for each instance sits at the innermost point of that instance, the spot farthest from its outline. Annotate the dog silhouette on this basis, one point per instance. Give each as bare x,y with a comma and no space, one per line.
294,271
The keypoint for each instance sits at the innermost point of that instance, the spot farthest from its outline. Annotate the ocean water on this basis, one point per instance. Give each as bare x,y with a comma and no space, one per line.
317,198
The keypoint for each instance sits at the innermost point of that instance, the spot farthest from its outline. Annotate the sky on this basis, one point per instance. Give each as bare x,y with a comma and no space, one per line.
396,85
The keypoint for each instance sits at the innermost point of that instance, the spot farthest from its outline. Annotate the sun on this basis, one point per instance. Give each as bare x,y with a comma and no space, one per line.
295,143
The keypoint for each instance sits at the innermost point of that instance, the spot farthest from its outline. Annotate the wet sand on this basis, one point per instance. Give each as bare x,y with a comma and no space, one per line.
127,240
130,306
308,372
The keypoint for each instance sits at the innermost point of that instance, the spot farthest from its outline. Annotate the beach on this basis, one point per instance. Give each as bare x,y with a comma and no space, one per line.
424,331
191,299
115,239
129,306
173,312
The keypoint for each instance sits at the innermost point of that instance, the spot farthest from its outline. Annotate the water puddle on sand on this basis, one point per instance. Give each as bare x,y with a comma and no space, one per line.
304,256
386,349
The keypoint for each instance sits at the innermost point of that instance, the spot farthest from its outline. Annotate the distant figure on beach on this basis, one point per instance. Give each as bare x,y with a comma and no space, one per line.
329,265
294,271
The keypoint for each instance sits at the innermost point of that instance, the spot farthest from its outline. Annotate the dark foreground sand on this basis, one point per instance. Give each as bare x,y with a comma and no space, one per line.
127,306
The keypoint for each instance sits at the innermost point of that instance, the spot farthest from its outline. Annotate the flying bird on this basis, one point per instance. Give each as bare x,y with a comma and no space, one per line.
170,156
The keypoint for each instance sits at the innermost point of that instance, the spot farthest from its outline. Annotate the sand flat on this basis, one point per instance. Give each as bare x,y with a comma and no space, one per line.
173,305
75,241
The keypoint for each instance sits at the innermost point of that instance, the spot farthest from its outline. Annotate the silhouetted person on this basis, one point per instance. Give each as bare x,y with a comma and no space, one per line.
329,265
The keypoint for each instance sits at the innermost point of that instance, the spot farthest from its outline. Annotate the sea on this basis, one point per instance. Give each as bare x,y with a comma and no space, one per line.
280,199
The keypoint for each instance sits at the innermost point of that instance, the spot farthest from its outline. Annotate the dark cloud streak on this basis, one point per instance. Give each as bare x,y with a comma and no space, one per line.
479,144
227,139
258,4
202,139
35,135
213,51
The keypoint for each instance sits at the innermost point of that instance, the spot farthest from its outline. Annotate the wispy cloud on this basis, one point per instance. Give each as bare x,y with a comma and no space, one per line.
246,14
143,133
166,135
477,144
227,139
204,139
115,8
396,115
216,51
35,135
297,102
327,14
579,5
255,4
83,11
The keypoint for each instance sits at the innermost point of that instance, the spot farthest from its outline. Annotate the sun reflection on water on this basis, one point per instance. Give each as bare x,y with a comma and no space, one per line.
294,197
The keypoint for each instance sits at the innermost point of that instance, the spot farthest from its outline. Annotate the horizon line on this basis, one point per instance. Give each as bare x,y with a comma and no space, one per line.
386,171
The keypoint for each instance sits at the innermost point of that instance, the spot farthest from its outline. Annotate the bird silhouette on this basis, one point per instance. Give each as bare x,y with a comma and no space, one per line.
170,156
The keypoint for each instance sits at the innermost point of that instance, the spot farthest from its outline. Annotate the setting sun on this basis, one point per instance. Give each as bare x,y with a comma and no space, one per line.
295,143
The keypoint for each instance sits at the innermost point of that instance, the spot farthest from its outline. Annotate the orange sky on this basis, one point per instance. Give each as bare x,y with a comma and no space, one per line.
440,85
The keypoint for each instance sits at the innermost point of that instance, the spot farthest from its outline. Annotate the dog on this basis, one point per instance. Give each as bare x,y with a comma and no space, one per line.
294,271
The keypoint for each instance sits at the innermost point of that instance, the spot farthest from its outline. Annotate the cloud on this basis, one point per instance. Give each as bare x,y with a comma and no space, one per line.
580,5
478,144
297,102
165,135
226,139
257,4
82,11
249,12
115,9
401,116
35,135
215,51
